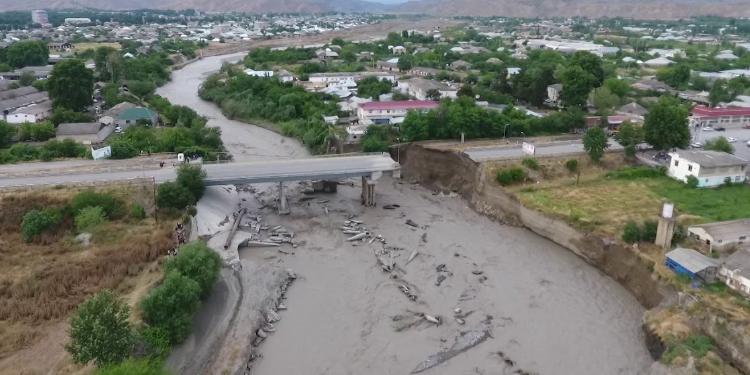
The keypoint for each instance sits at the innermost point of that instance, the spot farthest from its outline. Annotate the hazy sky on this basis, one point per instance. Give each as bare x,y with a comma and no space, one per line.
389,1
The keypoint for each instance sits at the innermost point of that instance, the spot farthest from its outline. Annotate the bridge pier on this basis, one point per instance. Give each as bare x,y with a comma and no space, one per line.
368,192
283,203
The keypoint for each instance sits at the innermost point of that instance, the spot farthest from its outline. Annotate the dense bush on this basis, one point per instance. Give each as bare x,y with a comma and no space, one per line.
634,173
89,217
154,342
192,178
112,206
571,165
692,182
511,176
634,233
137,211
36,222
530,163
378,138
100,331
174,195
36,132
135,367
197,262
171,305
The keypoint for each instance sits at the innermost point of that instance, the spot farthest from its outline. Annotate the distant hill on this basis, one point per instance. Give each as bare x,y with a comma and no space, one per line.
648,9
644,9
250,6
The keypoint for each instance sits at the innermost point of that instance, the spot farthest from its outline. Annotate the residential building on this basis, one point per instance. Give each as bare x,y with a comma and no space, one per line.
634,109
259,73
87,133
384,113
711,168
722,234
346,79
419,88
658,62
399,50
735,271
724,117
131,116
33,113
693,264
650,84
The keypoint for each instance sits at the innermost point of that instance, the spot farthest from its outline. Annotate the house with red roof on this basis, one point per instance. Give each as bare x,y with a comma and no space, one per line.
720,117
393,112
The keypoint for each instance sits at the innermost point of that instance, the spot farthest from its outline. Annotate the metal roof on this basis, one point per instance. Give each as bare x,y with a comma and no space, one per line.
739,261
711,158
726,230
691,260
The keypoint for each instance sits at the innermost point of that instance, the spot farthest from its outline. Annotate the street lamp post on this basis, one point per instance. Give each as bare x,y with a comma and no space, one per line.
505,131
398,150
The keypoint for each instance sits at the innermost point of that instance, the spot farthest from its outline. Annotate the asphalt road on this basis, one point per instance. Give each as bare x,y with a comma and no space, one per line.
232,173
502,152
741,135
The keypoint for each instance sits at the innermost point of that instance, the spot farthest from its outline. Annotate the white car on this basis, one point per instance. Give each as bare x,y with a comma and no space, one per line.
707,128
700,145
731,139
118,130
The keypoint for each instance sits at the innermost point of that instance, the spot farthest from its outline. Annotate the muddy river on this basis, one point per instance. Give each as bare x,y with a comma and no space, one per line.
551,312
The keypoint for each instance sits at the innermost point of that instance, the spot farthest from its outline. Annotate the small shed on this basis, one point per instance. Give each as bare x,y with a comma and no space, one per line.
692,264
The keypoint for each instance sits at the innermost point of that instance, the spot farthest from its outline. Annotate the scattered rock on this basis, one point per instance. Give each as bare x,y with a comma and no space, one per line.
84,239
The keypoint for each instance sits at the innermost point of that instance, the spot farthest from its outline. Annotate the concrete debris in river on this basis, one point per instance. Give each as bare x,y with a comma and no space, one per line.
465,341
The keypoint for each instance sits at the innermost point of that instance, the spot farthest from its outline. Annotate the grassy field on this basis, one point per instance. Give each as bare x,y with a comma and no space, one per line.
80,47
605,204
43,281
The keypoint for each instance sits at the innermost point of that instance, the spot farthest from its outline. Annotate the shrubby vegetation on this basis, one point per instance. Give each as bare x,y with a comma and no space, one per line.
171,305
378,138
89,218
39,132
510,176
463,116
186,191
36,222
250,98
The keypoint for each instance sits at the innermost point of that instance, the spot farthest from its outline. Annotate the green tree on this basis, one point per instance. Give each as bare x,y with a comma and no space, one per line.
192,178
677,76
405,63
577,84
27,53
63,115
589,63
595,142
71,85
720,144
196,261
27,78
100,331
171,305
617,86
666,124
604,100
632,233
372,87
90,217
629,137
174,195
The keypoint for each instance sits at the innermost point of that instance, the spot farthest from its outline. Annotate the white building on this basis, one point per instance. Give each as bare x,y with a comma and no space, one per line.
419,88
711,168
720,235
658,62
553,93
385,113
259,73
735,272
33,113
39,17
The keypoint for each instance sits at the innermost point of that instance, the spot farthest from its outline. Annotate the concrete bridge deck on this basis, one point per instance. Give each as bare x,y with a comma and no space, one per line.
331,167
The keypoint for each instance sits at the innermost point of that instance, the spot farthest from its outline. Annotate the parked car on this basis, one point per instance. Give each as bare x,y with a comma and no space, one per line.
698,145
720,128
747,126
731,139
707,128
748,143
118,130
